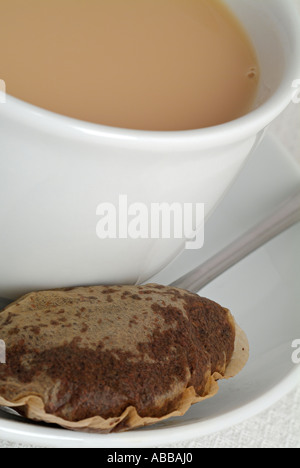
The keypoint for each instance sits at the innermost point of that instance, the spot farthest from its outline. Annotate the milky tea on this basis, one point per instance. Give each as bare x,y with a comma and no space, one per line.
140,64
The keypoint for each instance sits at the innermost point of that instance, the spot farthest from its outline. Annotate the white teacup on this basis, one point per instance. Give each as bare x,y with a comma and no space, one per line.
54,172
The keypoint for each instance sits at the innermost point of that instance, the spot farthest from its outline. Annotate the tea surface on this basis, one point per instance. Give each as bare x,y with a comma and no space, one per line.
141,64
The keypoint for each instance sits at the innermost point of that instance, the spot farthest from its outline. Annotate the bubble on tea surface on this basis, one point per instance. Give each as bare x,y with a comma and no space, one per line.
252,73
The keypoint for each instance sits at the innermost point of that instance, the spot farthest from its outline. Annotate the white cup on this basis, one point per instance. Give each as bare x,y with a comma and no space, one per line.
54,172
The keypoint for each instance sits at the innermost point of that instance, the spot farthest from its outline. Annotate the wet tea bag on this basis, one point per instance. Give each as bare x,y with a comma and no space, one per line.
113,358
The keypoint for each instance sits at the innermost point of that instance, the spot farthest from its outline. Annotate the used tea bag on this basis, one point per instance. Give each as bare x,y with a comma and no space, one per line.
108,359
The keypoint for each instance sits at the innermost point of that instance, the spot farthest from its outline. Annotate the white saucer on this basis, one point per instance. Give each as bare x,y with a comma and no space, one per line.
262,292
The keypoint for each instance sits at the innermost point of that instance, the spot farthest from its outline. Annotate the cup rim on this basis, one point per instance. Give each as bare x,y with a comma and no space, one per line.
237,129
